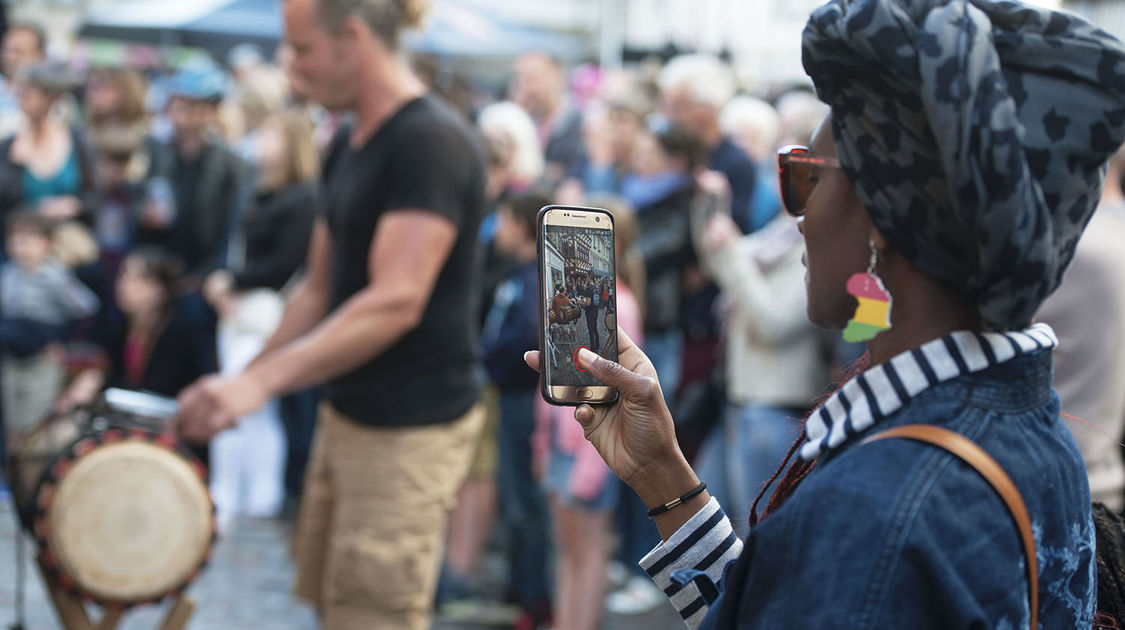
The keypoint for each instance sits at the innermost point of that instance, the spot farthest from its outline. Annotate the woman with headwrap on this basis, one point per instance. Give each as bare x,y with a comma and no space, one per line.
960,163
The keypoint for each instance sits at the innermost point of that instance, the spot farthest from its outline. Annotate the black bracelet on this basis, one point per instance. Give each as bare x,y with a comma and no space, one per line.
660,509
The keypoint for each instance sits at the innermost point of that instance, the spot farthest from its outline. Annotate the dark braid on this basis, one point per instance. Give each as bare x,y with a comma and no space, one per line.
776,473
800,468
1109,530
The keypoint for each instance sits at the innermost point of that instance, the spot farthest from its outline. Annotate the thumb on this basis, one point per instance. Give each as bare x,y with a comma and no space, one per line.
628,383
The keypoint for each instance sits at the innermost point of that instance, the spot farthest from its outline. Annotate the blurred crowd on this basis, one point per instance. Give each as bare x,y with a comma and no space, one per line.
153,223
151,226
710,284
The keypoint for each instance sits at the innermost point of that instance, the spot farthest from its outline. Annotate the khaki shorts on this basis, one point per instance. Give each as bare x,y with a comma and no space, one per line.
368,542
486,453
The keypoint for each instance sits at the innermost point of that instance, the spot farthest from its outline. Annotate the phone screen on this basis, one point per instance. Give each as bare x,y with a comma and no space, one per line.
580,301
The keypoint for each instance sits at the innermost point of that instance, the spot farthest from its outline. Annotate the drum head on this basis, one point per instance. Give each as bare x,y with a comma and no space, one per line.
127,519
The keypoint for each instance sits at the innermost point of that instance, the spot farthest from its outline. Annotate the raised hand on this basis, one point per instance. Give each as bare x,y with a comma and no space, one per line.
635,436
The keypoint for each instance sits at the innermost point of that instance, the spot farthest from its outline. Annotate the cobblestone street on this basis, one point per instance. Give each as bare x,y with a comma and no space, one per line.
247,585
574,335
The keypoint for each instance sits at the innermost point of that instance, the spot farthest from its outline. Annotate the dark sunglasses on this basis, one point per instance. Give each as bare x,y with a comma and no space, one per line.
796,173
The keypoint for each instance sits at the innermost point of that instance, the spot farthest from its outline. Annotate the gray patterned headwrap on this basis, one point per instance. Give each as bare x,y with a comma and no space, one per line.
975,133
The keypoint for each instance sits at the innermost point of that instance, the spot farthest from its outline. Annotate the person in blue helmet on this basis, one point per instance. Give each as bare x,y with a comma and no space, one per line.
192,199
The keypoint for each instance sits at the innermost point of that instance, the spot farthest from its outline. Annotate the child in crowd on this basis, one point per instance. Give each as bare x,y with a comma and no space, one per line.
39,299
509,330
146,343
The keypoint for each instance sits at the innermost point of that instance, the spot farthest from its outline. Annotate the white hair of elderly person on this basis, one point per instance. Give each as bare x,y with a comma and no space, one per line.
705,79
754,125
512,128
801,112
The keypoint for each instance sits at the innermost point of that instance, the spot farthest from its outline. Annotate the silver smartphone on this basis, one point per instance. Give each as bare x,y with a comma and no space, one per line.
577,301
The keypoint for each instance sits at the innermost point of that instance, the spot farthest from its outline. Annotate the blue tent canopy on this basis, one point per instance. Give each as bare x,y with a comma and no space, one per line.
453,28
255,19
214,25
463,29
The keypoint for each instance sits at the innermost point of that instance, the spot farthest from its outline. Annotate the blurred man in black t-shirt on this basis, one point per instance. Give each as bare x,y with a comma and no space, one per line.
386,318
590,307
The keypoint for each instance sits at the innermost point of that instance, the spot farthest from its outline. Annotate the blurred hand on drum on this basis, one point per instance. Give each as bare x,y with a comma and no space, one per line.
215,403
635,436
82,390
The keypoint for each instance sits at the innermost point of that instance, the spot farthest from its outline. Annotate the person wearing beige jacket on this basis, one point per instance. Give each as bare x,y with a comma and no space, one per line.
776,361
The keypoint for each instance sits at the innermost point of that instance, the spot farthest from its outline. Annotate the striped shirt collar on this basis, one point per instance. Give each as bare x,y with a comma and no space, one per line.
884,389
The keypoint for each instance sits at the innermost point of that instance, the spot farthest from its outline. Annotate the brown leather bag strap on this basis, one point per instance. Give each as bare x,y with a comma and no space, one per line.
976,457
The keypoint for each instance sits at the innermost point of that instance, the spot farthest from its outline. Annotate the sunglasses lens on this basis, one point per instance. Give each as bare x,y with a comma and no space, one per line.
802,178
797,179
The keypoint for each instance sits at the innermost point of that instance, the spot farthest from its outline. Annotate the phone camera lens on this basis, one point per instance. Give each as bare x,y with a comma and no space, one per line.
597,219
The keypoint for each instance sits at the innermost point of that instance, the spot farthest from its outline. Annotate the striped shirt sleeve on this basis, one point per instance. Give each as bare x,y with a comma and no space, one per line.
706,543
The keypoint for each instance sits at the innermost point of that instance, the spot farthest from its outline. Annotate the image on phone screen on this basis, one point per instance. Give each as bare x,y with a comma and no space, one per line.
581,300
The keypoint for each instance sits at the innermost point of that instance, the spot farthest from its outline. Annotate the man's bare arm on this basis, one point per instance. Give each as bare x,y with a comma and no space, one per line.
309,302
408,251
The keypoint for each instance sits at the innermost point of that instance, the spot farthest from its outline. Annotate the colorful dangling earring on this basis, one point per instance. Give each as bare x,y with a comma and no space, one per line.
873,315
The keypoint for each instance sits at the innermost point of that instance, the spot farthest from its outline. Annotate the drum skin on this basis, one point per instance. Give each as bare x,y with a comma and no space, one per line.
123,517
565,315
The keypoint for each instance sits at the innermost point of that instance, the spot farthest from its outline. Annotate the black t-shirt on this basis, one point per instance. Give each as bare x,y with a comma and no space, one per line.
424,157
588,292
276,233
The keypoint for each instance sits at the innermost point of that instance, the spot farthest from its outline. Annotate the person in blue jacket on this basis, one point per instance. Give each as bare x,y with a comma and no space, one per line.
510,328
960,162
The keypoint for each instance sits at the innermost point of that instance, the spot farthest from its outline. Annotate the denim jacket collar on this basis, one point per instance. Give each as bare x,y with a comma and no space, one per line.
883,389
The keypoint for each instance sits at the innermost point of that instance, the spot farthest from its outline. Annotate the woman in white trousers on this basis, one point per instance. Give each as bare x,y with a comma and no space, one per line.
269,245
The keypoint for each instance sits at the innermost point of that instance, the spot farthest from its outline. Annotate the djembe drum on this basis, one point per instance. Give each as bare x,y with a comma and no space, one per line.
566,314
120,512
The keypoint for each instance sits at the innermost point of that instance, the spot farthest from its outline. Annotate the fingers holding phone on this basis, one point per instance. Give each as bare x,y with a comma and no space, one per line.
635,435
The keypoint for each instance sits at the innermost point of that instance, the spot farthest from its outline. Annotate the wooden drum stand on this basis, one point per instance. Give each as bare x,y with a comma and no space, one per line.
73,615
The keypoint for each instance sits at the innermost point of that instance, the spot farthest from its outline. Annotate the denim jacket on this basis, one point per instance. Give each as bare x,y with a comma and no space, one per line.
900,534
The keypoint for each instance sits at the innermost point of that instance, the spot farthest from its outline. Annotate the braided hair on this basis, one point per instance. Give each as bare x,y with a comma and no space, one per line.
796,473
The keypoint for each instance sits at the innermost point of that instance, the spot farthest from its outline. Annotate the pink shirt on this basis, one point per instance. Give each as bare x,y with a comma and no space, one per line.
134,362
